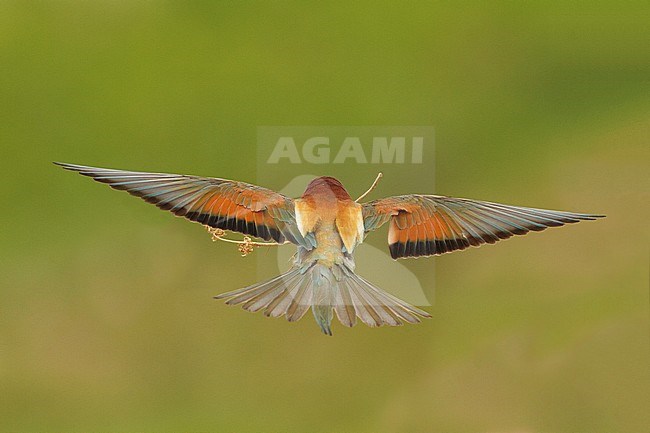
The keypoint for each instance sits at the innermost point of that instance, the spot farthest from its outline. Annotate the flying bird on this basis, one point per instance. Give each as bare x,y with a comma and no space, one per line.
326,225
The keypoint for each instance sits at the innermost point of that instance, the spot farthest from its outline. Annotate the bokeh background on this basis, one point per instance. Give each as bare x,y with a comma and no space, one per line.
106,316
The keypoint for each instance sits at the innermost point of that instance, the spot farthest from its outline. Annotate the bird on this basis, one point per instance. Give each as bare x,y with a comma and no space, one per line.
326,226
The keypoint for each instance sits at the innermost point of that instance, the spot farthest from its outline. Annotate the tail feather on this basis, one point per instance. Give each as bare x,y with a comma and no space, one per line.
381,313
323,281
406,311
327,290
240,295
278,306
364,309
302,300
344,307
262,299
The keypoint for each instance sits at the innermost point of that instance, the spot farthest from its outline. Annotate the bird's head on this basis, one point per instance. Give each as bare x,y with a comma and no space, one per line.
326,186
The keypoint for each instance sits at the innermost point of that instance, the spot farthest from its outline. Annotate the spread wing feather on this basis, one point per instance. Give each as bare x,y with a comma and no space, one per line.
218,203
425,225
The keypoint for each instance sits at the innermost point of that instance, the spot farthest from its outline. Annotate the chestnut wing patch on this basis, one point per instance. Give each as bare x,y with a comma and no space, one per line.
217,203
425,225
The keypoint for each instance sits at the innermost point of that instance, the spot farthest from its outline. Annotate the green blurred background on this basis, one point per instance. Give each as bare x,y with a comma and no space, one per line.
107,322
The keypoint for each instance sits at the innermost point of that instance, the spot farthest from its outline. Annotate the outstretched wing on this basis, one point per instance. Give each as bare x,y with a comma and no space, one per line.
425,225
218,203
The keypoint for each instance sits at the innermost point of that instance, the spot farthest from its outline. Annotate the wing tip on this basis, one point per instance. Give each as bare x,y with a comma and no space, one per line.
71,167
62,164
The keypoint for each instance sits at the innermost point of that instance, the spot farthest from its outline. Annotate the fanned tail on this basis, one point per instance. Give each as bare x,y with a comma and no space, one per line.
327,290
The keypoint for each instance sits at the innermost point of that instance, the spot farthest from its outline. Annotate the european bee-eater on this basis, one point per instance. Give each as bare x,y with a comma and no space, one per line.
326,225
